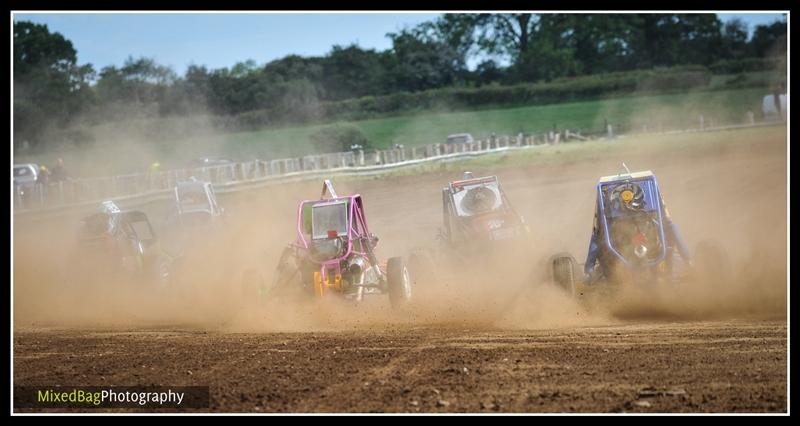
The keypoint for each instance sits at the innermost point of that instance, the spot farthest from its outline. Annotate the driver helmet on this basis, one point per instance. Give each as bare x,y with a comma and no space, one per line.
631,196
468,175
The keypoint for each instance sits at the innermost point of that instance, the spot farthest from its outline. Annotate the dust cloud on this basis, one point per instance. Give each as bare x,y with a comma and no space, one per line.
733,193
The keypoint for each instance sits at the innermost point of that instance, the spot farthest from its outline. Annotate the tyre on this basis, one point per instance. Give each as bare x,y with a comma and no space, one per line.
285,271
163,272
399,282
564,273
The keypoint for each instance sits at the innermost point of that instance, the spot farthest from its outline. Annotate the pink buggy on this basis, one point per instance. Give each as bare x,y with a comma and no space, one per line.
334,253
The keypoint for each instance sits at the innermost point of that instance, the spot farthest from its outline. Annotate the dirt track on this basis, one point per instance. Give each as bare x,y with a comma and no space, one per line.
709,367
716,348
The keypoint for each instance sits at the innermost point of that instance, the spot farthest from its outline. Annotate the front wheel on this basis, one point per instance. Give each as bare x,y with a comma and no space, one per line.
399,282
163,272
563,269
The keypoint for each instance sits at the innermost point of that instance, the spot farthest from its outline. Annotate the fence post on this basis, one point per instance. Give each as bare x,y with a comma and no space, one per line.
702,122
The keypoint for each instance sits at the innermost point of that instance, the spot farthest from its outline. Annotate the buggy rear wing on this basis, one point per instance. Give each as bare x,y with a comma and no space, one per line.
476,181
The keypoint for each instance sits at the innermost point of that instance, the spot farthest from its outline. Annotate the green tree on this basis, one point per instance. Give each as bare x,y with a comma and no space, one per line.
769,40
140,87
458,31
191,94
50,88
239,89
509,35
734,39
601,42
418,63
537,45
350,72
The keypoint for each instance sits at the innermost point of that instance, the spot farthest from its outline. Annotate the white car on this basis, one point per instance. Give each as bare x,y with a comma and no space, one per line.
460,138
769,107
26,176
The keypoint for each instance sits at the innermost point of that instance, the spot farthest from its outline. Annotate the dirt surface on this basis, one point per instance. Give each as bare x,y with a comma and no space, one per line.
734,366
496,345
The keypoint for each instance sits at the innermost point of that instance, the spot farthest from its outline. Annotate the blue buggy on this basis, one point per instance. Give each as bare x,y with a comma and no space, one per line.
634,239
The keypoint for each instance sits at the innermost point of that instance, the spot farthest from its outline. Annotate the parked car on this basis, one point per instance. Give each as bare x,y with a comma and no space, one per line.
210,162
26,176
460,138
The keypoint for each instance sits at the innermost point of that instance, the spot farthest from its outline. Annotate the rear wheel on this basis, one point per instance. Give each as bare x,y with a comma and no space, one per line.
399,282
564,273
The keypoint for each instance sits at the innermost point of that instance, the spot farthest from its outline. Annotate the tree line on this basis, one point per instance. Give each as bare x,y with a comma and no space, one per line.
52,91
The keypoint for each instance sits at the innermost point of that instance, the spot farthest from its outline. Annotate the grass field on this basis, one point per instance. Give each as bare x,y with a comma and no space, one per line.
681,110
563,154
591,115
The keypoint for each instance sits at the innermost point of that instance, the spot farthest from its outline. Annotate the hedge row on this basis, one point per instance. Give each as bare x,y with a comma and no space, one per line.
735,66
598,86
561,90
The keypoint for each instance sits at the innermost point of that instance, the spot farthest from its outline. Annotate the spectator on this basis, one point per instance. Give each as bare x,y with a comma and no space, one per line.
41,181
44,176
59,173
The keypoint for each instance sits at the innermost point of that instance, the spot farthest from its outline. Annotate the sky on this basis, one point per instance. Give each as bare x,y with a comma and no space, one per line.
219,40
